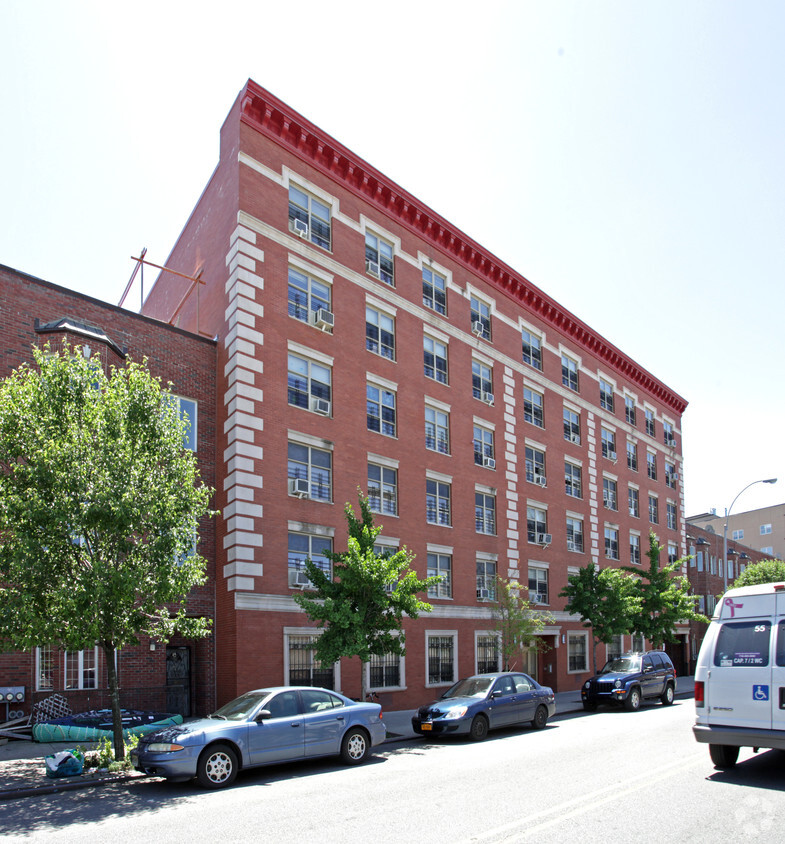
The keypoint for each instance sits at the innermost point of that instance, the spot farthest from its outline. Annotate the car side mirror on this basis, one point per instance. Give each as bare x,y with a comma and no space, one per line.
646,669
263,715
496,693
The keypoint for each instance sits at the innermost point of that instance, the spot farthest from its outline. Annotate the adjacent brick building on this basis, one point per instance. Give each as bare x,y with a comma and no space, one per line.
364,341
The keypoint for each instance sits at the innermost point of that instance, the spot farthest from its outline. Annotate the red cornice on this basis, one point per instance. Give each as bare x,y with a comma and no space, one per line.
277,121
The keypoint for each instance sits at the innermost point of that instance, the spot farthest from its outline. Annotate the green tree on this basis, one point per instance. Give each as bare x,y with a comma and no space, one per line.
664,597
519,626
361,607
99,506
606,600
764,571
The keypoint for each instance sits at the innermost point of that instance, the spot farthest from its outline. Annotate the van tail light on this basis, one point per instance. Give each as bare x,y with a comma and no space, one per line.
699,688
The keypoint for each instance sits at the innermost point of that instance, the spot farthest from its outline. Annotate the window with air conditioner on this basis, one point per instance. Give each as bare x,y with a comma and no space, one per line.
379,258
482,382
309,384
309,299
309,217
306,546
484,451
480,318
312,466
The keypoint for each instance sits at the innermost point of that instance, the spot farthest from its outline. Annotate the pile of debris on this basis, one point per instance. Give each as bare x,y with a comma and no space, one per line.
54,706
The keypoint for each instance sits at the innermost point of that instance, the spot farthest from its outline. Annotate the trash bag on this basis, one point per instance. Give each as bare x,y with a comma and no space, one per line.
66,763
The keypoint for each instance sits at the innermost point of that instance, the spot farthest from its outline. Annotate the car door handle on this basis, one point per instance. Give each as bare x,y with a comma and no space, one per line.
339,718
295,724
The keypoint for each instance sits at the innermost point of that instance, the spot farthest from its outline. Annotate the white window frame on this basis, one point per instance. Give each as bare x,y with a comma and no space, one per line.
575,635
304,631
445,634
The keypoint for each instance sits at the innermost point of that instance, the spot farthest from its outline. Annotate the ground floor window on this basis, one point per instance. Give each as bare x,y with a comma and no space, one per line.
638,643
577,652
385,671
441,659
487,653
68,670
304,668
616,646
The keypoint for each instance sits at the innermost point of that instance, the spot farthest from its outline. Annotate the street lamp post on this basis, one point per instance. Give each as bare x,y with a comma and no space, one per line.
725,530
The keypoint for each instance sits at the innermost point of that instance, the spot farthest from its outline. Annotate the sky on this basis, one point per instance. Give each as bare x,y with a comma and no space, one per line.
625,157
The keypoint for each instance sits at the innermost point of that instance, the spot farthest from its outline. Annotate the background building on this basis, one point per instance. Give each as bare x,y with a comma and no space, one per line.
364,341
762,529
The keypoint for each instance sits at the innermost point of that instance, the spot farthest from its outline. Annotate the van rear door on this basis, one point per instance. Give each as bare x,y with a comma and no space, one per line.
778,668
740,691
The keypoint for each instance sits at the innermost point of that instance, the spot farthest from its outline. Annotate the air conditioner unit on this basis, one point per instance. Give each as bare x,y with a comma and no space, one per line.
611,455
372,268
299,487
488,398
322,318
489,462
544,538
320,406
299,227
483,594
575,438
534,598
477,328
541,480
301,579
572,546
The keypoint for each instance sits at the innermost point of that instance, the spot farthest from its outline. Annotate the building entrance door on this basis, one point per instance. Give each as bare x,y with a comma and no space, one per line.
178,679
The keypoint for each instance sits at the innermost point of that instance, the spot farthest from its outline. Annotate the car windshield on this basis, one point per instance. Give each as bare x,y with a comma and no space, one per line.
622,664
471,687
241,707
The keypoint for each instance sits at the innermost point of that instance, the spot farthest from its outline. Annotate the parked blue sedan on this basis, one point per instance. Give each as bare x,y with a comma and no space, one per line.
262,727
485,702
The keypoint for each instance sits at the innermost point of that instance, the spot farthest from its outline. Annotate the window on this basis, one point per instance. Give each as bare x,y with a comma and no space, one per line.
767,549
569,373
651,465
615,648
309,385
532,349
743,643
307,296
533,407
482,382
536,524
577,652
667,434
81,669
379,258
738,535
437,430
650,427
608,439
384,671
606,395
673,554
611,542
485,513
572,426
488,653
632,456
304,668
437,502
484,454
434,291
610,499
380,410
574,534
486,580
633,502
379,333
441,659
314,467
435,359
309,218
654,510
638,643
765,530
535,466
670,511
573,482
440,565
635,549
629,410
670,475
383,489
44,669
302,547
481,318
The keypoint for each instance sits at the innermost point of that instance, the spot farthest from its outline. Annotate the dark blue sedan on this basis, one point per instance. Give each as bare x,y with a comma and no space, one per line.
262,727
485,702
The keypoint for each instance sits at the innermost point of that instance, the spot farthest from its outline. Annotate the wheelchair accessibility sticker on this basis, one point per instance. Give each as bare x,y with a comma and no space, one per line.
760,692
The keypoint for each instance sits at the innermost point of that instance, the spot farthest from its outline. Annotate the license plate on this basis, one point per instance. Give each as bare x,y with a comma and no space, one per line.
425,727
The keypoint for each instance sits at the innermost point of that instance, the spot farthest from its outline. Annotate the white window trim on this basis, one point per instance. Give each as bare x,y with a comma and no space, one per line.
401,675
312,354
302,266
454,635
583,634
438,476
383,383
484,633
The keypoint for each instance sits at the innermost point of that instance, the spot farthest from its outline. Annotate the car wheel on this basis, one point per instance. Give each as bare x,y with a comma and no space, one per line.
479,728
723,755
540,718
633,701
217,766
589,707
666,698
355,747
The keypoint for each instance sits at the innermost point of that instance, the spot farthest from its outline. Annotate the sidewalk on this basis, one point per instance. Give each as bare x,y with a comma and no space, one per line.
22,762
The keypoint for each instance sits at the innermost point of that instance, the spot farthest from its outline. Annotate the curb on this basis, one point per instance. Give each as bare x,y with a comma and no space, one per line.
64,785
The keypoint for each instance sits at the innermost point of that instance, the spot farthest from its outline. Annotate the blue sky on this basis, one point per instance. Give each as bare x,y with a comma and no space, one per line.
625,157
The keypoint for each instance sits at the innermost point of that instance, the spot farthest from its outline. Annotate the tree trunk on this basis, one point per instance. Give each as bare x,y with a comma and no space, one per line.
363,683
114,695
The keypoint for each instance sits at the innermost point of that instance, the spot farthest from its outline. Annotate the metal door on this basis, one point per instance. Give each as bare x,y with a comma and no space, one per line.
178,679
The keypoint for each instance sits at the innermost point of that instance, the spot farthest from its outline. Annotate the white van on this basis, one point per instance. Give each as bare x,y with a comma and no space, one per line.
740,676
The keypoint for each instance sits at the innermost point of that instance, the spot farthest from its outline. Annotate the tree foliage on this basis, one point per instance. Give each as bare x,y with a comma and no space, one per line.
664,597
99,506
519,626
362,606
764,571
605,599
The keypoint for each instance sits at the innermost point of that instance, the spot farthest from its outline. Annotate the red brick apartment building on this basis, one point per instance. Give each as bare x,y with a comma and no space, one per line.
494,432
179,676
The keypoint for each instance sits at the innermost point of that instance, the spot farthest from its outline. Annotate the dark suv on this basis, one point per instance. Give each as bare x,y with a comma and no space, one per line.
629,678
